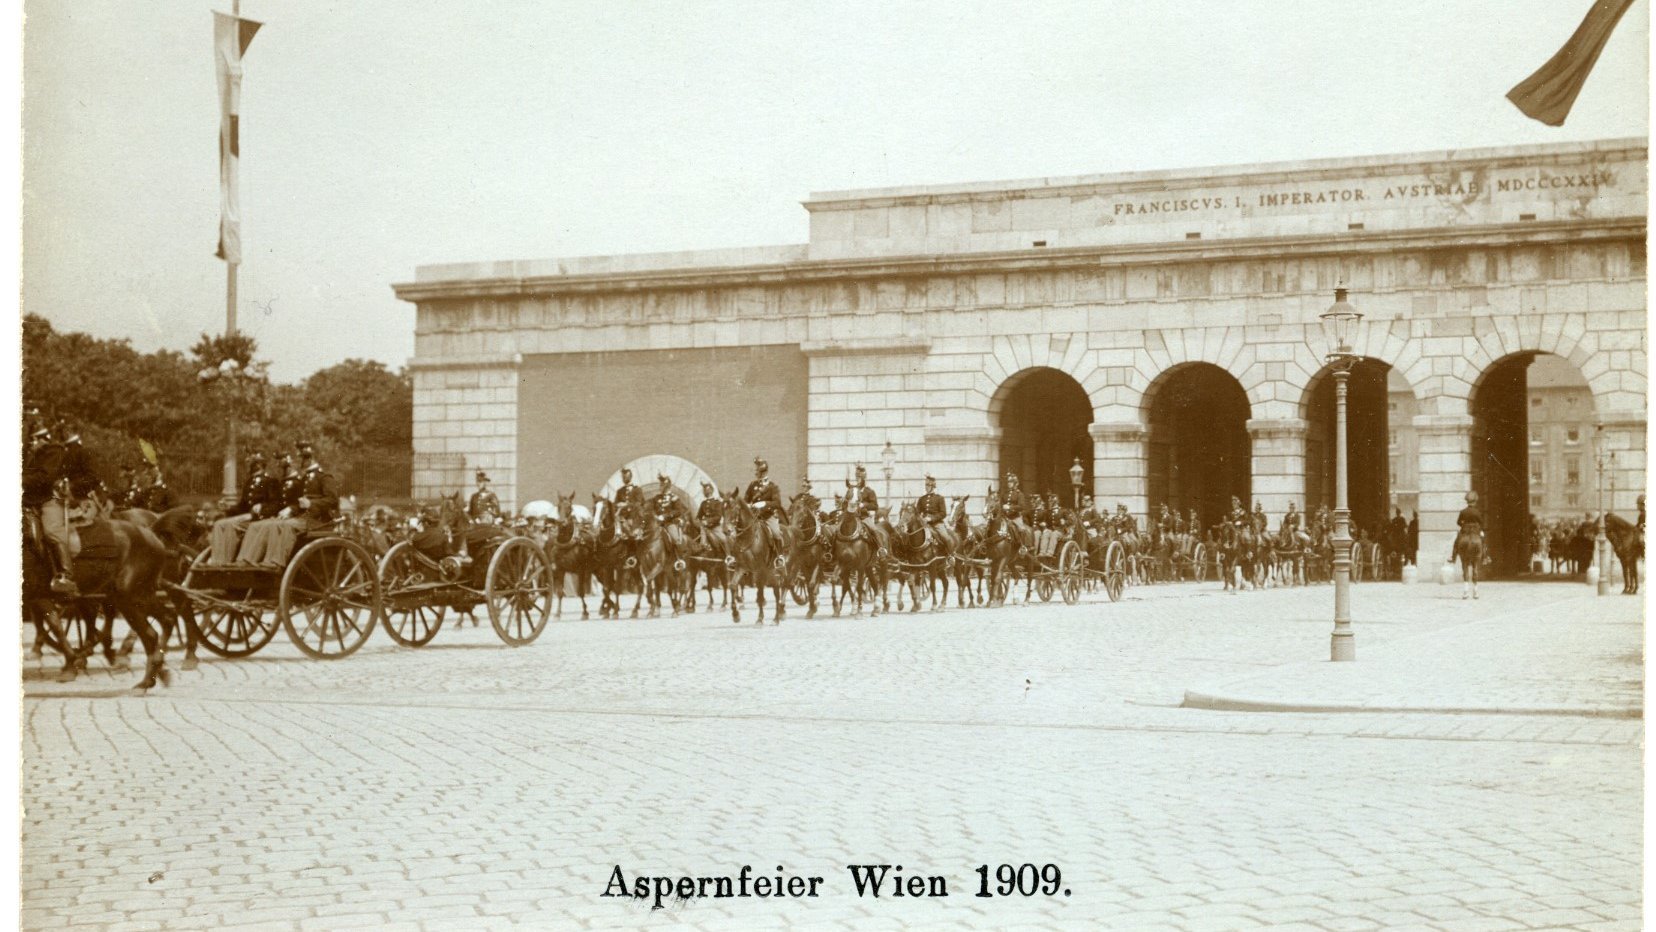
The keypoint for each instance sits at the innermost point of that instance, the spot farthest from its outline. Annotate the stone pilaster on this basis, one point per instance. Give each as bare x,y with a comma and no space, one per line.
1445,478
964,460
1121,458
1278,464
466,419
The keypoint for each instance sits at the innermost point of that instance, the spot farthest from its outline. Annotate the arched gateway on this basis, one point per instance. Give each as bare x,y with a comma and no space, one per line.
1043,415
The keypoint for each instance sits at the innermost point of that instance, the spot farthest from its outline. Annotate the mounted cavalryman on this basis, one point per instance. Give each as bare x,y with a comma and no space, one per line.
710,514
930,507
765,499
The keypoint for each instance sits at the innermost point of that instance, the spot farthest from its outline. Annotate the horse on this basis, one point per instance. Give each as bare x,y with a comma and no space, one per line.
1469,550
1007,546
706,552
1239,547
121,566
654,566
756,555
857,554
611,551
968,541
1627,540
570,551
928,554
808,558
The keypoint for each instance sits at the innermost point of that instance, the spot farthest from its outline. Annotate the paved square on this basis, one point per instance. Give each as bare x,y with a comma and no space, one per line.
468,785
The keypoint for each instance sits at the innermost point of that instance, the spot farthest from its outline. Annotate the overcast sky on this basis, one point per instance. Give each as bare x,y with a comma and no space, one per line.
380,135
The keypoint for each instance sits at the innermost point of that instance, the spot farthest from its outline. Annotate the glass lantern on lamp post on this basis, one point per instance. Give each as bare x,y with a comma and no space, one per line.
1076,474
1340,326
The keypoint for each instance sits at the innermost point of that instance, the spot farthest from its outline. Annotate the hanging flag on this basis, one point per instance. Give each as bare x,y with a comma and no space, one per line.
149,452
231,37
1548,94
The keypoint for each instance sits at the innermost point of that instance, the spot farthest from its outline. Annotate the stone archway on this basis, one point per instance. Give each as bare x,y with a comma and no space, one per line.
1381,453
1043,415
1533,451
1200,454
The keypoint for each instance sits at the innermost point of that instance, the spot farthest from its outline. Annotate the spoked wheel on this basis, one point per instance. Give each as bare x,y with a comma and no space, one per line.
410,618
80,629
1071,569
1199,563
800,589
330,598
1000,588
1115,571
228,632
519,591
1044,586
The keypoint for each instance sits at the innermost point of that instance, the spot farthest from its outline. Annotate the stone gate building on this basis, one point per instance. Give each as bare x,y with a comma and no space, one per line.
1162,327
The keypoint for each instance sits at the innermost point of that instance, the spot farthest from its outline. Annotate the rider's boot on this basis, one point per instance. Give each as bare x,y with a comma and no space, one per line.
62,582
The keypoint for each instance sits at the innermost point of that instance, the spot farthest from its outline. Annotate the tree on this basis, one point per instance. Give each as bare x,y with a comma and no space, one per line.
363,404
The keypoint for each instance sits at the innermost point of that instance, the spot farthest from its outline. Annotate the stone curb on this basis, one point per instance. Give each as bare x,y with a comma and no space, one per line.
1195,699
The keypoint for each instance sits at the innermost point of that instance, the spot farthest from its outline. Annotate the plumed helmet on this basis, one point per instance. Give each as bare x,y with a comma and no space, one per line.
862,471
708,486
626,474
661,478
930,481
760,464
304,448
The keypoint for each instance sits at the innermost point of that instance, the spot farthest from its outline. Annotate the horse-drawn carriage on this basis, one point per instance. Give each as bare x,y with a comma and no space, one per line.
457,566
327,595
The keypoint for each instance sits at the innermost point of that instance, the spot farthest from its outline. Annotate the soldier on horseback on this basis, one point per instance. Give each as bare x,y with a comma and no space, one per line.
629,504
866,504
766,500
1238,513
671,511
711,512
50,480
1470,518
484,507
1013,506
1122,522
1261,524
930,507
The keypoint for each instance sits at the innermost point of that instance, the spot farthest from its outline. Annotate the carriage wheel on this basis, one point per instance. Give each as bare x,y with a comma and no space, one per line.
1001,587
225,631
1044,586
330,598
519,591
1199,563
1071,569
1115,571
800,589
409,619
80,629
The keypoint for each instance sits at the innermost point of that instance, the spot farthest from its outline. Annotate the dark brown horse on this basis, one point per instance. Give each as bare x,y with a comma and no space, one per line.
570,550
1627,540
611,551
857,555
120,565
809,557
968,561
758,556
927,554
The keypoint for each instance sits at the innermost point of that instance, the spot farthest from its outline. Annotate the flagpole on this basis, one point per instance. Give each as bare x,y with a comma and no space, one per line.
230,489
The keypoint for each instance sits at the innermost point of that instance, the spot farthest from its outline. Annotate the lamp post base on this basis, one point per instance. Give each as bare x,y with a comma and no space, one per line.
1342,646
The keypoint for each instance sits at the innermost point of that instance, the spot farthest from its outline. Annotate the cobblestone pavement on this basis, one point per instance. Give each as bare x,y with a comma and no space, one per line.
468,785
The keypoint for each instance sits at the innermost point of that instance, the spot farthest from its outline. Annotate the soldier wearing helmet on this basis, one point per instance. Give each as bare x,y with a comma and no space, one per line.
765,499
1470,517
225,536
484,507
930,506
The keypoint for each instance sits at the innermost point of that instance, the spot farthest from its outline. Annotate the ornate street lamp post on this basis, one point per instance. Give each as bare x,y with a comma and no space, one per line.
1076,475
1340,324
888,457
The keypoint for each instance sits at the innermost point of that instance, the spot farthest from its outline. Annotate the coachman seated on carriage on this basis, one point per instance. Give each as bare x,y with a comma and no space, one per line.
315,506
1014,510
57,481
251,504
484,507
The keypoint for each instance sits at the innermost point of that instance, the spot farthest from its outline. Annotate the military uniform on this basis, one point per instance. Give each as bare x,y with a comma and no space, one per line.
46,488
270,542
711,512
931,507
484,506
226,532
157,497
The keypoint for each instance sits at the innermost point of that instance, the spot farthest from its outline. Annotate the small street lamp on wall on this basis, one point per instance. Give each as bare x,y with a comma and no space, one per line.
1076,474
